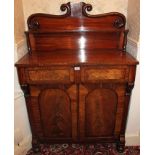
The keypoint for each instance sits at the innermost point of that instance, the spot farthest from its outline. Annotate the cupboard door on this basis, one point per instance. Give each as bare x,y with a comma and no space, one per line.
100,110
57,108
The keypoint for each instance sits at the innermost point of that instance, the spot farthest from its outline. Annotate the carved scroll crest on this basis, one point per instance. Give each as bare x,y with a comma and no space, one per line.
86,8
129,88
77,10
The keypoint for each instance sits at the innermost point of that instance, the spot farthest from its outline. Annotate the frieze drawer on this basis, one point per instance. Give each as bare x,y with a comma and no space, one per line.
104,73
50,75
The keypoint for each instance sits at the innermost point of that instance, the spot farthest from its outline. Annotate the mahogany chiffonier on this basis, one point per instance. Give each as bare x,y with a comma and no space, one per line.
77,77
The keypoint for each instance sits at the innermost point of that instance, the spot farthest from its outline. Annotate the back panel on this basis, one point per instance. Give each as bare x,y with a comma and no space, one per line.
75,30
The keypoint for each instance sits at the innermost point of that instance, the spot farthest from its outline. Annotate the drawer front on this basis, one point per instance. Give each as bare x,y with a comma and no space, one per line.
103,74
50,75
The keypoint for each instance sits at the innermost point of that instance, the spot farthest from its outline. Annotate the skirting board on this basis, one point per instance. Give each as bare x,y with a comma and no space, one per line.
22,137
23,147
132,140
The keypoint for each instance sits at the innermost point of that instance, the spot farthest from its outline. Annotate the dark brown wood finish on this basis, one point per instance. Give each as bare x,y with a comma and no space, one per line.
77,77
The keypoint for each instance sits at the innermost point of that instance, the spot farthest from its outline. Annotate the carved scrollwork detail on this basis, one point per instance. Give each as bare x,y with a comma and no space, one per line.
86,8
119,23
66,7
34,24
33,20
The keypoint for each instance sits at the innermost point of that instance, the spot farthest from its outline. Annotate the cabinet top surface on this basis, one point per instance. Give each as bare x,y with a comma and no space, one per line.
109,57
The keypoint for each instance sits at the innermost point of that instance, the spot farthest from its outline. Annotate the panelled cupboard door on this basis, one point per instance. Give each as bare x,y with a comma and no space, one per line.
100,110
54,111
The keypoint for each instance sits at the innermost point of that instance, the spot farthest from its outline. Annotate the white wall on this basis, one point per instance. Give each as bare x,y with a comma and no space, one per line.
133,23
22,133
133,123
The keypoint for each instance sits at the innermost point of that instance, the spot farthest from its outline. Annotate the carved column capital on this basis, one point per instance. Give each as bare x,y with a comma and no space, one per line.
129,88
25,89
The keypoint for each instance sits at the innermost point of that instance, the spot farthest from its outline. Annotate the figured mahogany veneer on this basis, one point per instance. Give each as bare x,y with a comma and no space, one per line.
99,74
77,76
50,74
